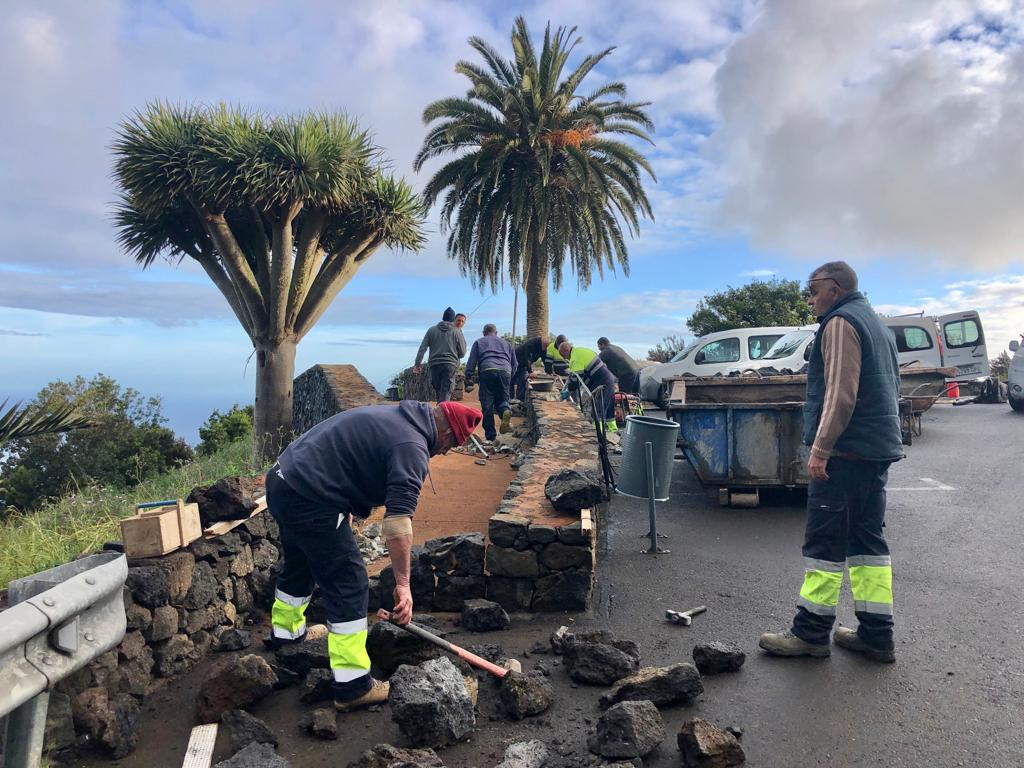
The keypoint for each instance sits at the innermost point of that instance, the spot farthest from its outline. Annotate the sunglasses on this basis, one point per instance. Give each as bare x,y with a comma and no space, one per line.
810,284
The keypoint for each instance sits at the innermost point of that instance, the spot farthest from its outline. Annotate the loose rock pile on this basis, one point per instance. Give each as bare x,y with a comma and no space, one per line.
430,703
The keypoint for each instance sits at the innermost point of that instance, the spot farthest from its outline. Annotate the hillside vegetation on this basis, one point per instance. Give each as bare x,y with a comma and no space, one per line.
81,522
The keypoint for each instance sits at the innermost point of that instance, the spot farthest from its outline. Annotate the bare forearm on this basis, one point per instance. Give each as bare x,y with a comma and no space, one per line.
400,548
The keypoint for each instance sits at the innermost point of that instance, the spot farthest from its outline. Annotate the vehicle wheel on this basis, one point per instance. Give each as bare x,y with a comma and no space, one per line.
1017,404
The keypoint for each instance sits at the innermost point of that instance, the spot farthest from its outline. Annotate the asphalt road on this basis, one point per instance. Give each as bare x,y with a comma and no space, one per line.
953,698
955,525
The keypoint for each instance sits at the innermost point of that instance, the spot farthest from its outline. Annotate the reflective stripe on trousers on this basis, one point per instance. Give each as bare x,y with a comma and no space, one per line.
346,646
871,583
823,580
288,615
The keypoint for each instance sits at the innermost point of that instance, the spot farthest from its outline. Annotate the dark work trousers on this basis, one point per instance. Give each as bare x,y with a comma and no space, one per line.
630,384
494,385
442,379
607,395
520,383
845,515
318,547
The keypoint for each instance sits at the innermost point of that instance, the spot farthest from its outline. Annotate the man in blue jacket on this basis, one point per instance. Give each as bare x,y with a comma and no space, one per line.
492,362
344,466
851,423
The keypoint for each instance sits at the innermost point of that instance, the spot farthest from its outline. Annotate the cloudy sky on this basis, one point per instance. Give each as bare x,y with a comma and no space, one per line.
789,132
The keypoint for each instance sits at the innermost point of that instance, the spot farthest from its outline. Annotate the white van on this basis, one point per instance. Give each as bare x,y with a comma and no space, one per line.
719,352
956,340
1015,383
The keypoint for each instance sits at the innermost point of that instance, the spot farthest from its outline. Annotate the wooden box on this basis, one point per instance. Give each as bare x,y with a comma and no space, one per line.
158,531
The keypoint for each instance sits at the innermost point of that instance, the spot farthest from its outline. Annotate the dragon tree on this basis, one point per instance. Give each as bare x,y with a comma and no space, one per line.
280,212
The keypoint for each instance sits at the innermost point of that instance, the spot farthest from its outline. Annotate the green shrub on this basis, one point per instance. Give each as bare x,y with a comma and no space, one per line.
224,428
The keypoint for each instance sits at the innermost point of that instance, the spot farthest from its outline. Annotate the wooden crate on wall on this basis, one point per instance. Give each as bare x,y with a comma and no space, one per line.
161,530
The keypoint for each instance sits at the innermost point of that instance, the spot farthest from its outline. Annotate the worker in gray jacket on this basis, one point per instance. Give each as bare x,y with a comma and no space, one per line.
447,345
342,468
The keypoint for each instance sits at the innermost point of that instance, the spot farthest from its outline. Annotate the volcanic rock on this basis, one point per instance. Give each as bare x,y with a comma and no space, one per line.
483,616
679,683
244,729
430,703
525,695
525,754
712,658
596,657
387,756
255,756
233,640
571,490
322,723
234,684
704,745
628,729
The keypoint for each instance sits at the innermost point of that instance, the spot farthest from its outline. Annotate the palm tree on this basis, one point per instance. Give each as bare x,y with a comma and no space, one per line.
539,172
280,213
18,422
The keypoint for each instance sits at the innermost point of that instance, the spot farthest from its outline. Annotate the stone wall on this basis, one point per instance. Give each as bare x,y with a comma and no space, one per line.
325,390
416,386
179,608
538,558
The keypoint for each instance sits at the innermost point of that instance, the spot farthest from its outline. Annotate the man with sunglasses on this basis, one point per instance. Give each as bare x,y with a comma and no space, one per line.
851,422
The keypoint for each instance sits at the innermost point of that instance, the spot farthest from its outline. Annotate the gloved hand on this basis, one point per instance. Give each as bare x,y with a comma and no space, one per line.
468,386
564,394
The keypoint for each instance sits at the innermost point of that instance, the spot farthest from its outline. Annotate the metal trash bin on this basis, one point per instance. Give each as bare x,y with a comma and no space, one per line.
662,435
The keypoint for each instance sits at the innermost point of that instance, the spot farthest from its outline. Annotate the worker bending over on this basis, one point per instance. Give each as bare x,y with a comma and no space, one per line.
492,362
851,422
553,360
621,364
586,363
527,353
344,466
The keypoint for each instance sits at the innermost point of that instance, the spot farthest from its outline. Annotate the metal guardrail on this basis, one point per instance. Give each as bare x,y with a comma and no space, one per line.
59,621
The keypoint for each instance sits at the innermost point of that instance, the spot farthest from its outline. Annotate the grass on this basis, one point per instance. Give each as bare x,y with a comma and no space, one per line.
81,522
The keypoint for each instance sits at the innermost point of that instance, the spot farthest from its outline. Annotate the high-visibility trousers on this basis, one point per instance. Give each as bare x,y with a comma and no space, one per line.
845,516
318,547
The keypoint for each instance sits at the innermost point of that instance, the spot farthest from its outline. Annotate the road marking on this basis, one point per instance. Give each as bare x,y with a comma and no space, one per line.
932,485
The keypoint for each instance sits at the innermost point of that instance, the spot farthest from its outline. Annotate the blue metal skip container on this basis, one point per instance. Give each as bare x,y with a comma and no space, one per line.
744,445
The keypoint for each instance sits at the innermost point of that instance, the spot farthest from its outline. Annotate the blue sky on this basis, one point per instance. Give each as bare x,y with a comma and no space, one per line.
787,133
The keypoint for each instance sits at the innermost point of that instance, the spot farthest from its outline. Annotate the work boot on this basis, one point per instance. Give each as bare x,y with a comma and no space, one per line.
848,638
506,422
378,694
788,644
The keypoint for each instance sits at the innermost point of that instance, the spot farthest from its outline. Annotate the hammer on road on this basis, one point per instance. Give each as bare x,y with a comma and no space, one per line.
684,617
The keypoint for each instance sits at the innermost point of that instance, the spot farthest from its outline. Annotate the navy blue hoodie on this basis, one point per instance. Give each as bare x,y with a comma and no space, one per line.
363,458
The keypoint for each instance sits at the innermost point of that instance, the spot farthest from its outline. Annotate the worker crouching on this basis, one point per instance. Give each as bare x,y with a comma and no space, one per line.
344,466
587,365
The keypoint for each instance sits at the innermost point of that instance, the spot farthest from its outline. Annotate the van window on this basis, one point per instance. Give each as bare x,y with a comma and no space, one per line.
962,333
910,338
721,351
758,345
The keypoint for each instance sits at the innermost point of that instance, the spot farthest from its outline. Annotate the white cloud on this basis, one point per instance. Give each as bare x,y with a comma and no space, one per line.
759,273
872,129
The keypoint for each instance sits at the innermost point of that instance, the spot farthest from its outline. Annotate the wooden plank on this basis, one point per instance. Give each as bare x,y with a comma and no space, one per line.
219,529
586,523
199,753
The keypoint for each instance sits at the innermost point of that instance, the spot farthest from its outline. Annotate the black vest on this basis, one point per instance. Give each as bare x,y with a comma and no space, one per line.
874,430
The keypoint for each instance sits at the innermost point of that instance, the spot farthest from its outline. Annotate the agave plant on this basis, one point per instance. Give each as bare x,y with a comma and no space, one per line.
280,212
540,171
18,422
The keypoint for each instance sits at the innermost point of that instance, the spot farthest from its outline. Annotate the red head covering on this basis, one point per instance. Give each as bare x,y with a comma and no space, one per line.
462,419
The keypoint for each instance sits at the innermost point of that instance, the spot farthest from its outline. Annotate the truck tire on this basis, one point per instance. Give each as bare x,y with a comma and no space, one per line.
1017,404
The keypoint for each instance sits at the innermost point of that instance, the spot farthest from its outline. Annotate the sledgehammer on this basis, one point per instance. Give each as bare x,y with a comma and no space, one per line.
462,653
